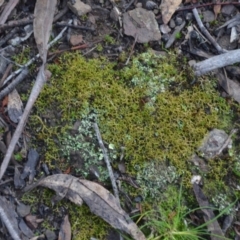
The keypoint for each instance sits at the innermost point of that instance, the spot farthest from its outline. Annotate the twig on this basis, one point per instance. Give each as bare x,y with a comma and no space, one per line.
227,141
7,71
206,5
7,222
16,23
215,62
8,36
39,83
60,14
131,52
206,33
173,35
7,10
106,158
36,57
73,26
13,84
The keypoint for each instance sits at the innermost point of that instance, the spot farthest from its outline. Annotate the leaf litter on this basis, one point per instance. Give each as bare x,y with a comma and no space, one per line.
143,27
100,201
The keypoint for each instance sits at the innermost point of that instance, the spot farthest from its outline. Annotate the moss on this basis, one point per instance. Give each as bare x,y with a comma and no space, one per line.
149,107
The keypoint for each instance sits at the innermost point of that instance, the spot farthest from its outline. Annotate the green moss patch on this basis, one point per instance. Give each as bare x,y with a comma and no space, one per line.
149,108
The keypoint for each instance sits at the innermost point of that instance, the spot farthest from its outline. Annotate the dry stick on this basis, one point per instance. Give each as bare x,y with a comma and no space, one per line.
37,56
73,26
205,5
215,62
226,142
8,36
39,83
16,23
13,84
206,33
7,10
7,222
29,20
106,158
7,71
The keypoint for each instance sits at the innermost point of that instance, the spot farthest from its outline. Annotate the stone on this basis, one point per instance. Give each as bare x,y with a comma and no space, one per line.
208,16
142,25
79,8
76,39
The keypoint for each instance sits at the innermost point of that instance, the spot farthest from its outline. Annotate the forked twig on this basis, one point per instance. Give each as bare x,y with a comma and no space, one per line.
206,33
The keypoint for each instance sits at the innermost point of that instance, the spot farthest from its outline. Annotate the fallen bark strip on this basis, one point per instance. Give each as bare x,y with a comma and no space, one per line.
215,62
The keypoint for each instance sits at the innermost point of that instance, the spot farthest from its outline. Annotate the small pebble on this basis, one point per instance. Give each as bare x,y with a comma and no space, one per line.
172,24
189,16
208,16
178,21
228,10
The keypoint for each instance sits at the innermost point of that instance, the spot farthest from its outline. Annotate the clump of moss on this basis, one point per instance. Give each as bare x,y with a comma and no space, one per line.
149,107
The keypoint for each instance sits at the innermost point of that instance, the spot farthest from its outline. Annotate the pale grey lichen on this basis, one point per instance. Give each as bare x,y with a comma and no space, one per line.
147,63
154,178
222,202
84,143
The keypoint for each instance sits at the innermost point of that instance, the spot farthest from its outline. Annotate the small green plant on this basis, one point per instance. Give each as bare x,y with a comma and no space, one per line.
18,157
178,35
99,47
109,39
170,220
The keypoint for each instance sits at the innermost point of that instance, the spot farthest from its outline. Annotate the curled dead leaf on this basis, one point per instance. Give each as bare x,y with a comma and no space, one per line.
100,201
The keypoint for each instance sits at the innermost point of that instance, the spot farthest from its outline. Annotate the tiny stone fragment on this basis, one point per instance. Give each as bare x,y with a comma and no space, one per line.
79,8
76,40
208,16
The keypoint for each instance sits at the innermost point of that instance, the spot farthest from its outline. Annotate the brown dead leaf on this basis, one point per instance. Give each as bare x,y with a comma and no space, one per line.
42,24
231,87
168,8
65,230
15,106
217,8
213,226
100,201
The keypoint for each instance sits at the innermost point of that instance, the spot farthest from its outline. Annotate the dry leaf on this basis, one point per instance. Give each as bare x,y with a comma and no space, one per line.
7,10
42,23
217,8
15,106
100,201
213,226
231,87
168,8
65,230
